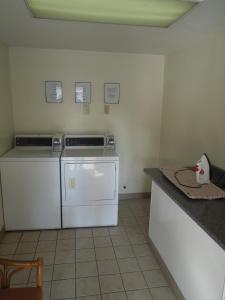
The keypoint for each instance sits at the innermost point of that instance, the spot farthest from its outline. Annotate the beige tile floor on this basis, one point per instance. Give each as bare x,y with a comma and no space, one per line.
113,263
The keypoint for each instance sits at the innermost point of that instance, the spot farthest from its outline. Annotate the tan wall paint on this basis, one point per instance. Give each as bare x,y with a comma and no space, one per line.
6,120
135,121
193,117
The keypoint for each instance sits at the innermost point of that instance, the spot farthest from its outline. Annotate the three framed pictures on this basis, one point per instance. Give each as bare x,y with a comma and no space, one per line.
54,93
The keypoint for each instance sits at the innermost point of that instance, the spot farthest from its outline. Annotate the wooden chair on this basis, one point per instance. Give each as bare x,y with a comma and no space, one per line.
8,268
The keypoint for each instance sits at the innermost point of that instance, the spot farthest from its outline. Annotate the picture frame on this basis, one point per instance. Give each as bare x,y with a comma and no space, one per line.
83,92
112,93
53,91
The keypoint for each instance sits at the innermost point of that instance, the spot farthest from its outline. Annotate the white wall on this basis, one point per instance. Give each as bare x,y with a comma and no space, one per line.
193,117
135,121
6,121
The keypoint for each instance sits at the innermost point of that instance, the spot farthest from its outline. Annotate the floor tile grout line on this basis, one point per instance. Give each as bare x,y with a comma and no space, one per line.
119,270
50,292
13,256
20,241
75,281
87,277
34,257
99,283
18,244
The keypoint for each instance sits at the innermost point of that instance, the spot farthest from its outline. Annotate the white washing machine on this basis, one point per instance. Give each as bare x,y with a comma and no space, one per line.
90,174
30,179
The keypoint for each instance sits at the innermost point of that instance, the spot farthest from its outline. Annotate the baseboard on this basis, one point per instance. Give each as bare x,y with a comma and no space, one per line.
167,273
2,232
134,196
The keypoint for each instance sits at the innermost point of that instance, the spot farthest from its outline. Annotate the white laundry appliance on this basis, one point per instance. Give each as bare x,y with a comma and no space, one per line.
90,174
30,180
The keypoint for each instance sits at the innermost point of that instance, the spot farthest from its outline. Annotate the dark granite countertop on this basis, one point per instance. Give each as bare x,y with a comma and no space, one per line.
209,214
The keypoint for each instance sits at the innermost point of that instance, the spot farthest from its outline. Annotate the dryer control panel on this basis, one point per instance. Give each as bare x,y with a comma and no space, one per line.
43,141
33,140
94,141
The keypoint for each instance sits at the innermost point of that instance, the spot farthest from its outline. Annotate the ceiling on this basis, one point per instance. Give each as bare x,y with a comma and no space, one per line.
18,28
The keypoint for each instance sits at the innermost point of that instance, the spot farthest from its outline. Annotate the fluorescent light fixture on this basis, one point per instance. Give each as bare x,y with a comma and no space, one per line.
155,13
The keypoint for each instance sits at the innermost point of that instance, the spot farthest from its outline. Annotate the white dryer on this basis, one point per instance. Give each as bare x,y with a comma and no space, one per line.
30,179
90,174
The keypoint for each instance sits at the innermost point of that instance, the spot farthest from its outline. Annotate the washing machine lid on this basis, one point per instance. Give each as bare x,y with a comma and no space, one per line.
34,154
89,154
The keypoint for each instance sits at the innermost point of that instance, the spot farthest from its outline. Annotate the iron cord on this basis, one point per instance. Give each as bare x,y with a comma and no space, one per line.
182,184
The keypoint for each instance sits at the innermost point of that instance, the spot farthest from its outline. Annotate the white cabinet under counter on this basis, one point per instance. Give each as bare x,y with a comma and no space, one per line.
191,248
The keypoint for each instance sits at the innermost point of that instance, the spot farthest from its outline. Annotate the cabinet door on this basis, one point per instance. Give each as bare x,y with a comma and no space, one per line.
88,182
195,260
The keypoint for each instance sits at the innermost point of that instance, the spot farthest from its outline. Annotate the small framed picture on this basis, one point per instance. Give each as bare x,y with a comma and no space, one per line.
53,91
112,93
82,92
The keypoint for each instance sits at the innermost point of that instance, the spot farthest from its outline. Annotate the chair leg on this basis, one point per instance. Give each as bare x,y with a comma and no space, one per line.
40,272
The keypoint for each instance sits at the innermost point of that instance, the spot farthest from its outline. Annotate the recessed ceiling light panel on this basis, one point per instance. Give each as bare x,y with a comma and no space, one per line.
195,1
155,13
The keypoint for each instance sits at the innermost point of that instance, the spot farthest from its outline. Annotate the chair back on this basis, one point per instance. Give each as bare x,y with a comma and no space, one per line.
9,267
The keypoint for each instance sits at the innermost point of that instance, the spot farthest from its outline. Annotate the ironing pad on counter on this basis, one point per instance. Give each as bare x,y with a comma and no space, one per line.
184,176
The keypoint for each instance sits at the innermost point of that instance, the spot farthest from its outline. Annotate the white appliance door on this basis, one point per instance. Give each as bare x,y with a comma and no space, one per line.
31,195
88,182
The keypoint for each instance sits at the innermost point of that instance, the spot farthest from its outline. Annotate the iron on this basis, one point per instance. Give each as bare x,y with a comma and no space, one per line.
203,170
